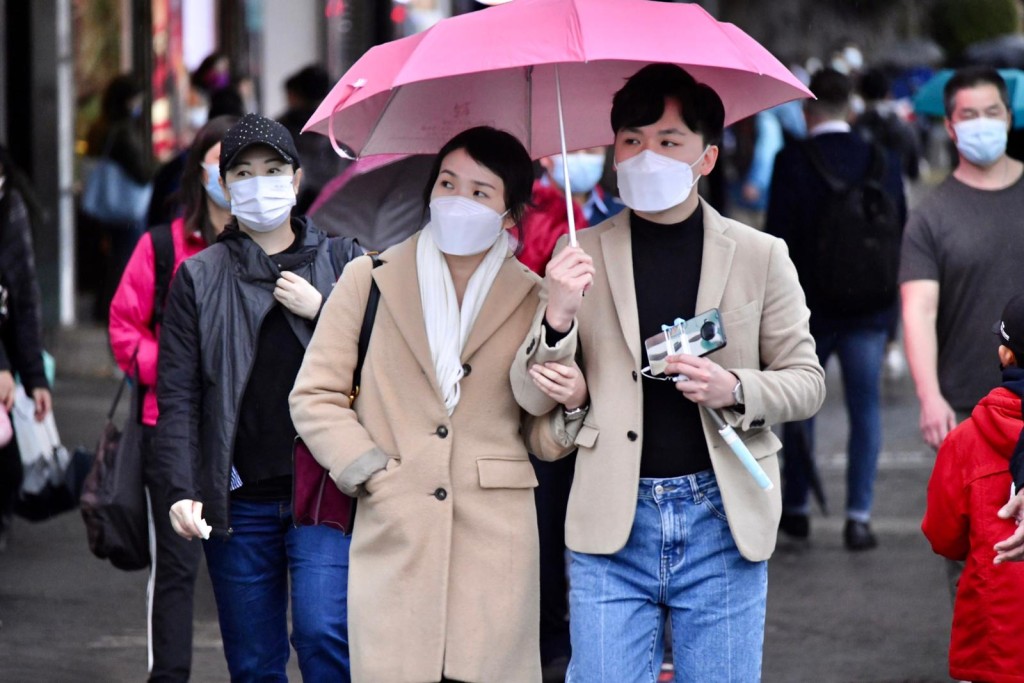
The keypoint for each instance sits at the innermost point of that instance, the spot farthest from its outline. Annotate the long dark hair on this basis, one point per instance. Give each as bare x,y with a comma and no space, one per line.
17,181
192,194
502,154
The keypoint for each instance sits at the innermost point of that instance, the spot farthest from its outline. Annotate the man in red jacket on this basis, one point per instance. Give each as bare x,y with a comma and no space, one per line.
969,485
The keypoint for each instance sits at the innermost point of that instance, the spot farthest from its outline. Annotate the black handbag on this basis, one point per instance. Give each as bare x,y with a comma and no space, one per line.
113,501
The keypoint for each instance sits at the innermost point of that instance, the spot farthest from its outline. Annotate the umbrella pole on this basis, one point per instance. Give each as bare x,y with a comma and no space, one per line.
565,163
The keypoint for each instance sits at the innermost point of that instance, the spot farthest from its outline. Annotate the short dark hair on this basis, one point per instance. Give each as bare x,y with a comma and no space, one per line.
641,101
192,193
311,84
874,85
503,155
118,93
226,102
972,77
832,91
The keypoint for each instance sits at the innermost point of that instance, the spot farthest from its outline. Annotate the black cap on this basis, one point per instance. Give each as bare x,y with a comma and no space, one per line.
1010,327
254,129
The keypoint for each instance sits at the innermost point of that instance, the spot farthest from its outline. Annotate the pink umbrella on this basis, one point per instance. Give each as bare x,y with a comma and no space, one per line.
528,65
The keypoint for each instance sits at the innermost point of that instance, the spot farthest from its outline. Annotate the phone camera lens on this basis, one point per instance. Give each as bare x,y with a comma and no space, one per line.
708,331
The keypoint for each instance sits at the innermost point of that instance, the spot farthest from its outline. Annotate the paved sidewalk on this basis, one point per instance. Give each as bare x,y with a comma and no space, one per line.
878,616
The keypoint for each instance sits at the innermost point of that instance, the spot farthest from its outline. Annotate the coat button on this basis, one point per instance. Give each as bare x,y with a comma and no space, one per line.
442,431
631,435
466,369
634,375
440,493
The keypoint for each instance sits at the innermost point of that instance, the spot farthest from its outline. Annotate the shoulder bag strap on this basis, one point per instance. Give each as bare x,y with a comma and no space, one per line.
124,382
814,155
364,332
163,268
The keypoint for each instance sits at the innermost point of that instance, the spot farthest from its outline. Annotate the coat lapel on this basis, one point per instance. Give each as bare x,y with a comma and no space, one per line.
618,262
399,289
511,286
716,260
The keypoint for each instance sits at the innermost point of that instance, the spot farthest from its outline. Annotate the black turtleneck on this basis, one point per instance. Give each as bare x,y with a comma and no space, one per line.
666,273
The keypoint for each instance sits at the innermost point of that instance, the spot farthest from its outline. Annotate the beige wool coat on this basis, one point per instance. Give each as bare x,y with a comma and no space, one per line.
443,575
750,278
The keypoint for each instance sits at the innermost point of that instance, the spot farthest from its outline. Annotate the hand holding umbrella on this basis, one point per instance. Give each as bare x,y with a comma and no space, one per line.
570,273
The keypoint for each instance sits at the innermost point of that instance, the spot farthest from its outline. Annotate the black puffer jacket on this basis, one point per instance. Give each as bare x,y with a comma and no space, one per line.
21,330
212,319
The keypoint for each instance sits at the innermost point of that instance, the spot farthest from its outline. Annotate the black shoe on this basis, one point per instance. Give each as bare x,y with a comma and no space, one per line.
858,536
795,526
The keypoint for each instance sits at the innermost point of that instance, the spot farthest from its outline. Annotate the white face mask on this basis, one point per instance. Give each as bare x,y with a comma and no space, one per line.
585,170
982,141
262,203
461,226
654,182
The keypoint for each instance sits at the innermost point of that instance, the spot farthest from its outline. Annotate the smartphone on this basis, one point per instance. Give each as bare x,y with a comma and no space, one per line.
698,336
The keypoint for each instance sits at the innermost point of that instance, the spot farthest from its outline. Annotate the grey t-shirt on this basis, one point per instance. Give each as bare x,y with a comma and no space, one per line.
972,243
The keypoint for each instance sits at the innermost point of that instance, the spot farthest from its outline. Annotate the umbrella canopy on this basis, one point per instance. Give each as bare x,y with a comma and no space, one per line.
378,200
929,99
508,65
1001,51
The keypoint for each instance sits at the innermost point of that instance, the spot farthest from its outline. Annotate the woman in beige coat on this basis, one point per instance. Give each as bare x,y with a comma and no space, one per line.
443,581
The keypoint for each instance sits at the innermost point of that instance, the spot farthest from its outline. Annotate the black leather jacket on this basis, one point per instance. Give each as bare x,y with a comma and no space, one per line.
212,319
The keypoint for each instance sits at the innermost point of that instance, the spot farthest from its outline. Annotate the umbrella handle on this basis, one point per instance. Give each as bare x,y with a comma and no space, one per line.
565,163
737,446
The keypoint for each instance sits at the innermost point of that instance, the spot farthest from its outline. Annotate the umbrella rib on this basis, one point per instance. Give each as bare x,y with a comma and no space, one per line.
380,117
529,109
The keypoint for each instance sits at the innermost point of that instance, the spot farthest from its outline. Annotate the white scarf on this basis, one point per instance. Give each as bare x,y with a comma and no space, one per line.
447,326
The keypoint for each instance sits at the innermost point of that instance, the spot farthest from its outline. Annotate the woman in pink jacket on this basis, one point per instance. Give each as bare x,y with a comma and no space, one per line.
135,314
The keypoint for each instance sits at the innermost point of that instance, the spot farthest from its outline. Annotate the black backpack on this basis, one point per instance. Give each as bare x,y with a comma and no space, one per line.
163,268
856,250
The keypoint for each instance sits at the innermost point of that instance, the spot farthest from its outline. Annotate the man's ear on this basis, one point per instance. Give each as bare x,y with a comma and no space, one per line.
707,164
1007,358
949,128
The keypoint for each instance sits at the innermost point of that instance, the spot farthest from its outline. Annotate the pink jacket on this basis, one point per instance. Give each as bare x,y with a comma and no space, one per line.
969,484
132,309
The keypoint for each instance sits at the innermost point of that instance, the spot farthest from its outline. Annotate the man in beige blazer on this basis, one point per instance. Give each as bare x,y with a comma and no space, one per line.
663,519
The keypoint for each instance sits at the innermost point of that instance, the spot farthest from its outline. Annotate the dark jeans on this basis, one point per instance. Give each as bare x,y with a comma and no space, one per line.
11,473
861,352
552,496
250,571
172,578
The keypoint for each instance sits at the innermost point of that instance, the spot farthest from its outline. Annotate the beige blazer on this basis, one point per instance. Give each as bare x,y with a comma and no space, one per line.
750,278
443,574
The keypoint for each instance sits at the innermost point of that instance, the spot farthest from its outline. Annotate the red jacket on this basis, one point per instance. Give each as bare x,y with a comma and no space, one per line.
969,484
132,308
545,222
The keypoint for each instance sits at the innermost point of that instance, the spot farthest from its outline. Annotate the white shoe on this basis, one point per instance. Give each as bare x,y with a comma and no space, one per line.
895,367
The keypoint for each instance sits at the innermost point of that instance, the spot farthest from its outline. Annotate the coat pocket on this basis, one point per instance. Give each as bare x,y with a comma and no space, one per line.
502,473
587,436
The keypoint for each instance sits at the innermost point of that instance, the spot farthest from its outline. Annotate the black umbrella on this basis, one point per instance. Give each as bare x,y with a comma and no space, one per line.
1006,51
906,54
379,207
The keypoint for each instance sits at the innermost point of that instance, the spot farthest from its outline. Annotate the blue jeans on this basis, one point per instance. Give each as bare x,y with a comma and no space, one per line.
861,352
680,562
250,575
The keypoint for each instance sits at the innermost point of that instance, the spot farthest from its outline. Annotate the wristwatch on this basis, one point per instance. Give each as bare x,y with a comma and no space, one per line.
576,413
737,392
